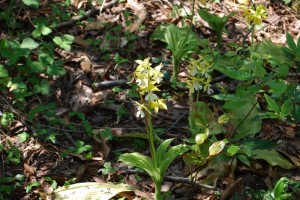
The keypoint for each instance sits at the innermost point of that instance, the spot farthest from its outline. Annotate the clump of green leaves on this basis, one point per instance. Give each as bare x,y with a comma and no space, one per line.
64,42
9,184
293,50
6,118
32,3
108,168
278,112
181,41
41,28
13,154
215,22
283,190
79,149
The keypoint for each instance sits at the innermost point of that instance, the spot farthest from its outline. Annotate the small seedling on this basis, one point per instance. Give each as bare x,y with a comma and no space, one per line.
64,42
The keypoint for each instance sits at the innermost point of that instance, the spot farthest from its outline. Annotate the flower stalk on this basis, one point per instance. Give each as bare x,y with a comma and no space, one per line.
148,78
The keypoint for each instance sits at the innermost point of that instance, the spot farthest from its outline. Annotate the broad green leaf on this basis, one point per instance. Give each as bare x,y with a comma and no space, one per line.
257,144
270,115
235,73
65,46
216,128
57,40
286,108
46,59
46,30
29,187
3,72
283,70
171,155
36,33
288,53
244,159
232,150
29,43
215,22
201,115
107,133
287,1
161,151
159,33
223,119
272,105
200,138
55,70
191,158
45,87
216,147
13,54
279,187
32,3
35,110
277,87
260,71
143,162
267,47
246,118
68,39
206,16
179,40
290,41
23,136
234,104
36,67
7,118
272,157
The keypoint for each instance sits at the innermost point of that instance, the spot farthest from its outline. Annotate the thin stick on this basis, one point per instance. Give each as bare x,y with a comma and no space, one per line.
89,13
176,180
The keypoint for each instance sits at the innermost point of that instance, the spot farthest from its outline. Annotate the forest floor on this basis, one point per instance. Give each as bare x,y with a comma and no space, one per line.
94,104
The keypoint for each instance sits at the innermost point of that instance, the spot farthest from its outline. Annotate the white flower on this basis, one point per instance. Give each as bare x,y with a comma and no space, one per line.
197,86
209,90
151,96
142,82
155,74
140,112
193,68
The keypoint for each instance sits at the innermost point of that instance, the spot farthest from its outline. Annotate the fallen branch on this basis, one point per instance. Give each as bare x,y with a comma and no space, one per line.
176,180
125,83
110,84
89,13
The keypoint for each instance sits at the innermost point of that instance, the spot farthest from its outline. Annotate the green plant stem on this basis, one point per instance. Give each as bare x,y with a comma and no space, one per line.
175,69
252,38
193,10
151,138
158,195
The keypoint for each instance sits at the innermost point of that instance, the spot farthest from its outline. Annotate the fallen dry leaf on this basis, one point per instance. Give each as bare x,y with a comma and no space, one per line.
140,15
85,64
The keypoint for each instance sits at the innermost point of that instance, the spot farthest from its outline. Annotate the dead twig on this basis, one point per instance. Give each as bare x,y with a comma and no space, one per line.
176,180
110,84
176,122
125,83
89,13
